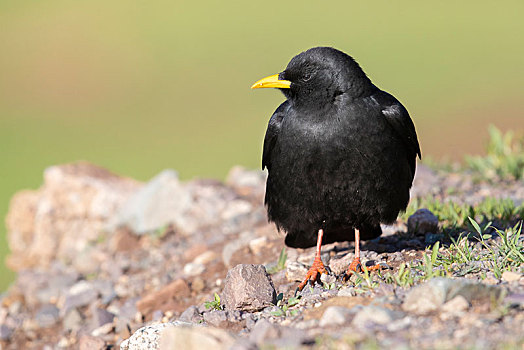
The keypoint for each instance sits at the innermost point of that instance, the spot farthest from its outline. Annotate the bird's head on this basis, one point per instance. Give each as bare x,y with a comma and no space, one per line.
318,77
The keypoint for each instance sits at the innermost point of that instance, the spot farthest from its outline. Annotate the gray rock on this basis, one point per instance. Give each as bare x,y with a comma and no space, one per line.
234,316
516,299
191,314
476,293
72,320
83,261
374,315
56,287
399,324
194,338
217,318
347,292
431,295
128,310
47,316
106,290
101,317
157,316
427,297
160,202
266,334
5,333
250,320
122,325
423,221
263,330
223,319
80,294
455,305
335,315
248,288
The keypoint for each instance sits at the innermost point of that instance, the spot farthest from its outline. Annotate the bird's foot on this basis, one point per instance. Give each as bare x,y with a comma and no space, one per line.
313,273
356,266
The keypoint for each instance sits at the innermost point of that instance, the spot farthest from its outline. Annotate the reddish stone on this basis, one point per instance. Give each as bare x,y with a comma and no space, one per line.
168,298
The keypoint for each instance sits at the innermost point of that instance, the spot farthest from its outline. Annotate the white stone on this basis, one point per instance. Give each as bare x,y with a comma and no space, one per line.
193,269
257,245
456,305
160,202
205,257
373,314
426,297
335,315
510,276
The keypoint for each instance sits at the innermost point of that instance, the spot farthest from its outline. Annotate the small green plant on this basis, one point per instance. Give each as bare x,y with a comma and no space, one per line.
214,304
455,216
494,250
499,253
329,286
281,263
504,158
506,253
402,277
160,232
428,266
364,281
409,274
283,307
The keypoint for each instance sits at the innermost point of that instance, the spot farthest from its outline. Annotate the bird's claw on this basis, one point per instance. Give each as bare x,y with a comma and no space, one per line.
313,274
356,267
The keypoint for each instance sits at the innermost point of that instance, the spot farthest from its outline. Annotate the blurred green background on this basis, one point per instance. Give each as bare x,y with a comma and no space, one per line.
139,86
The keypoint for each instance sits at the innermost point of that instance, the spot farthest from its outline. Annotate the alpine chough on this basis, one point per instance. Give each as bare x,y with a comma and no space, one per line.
340,154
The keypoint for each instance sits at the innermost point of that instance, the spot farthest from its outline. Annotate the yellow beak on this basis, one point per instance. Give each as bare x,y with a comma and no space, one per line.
271,82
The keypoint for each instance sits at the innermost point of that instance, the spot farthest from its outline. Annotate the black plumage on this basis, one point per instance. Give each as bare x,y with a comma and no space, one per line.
340,152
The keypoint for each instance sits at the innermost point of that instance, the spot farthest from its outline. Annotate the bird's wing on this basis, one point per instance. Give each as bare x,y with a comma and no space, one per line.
273,129
398,117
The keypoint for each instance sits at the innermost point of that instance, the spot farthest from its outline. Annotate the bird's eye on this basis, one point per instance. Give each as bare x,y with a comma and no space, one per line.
306,77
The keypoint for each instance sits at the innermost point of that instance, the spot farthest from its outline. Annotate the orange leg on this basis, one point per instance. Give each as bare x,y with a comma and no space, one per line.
355,265
317,268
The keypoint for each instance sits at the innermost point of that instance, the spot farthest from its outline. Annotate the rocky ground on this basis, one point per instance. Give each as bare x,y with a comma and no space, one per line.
109,262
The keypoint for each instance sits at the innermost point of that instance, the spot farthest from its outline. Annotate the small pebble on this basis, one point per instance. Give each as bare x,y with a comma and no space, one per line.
510,276
193,269
456,305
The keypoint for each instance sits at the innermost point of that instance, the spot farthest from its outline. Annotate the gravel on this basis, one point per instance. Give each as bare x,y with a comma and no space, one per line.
141,266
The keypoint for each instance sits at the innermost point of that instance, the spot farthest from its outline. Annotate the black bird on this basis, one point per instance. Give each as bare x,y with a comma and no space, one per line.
340,153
